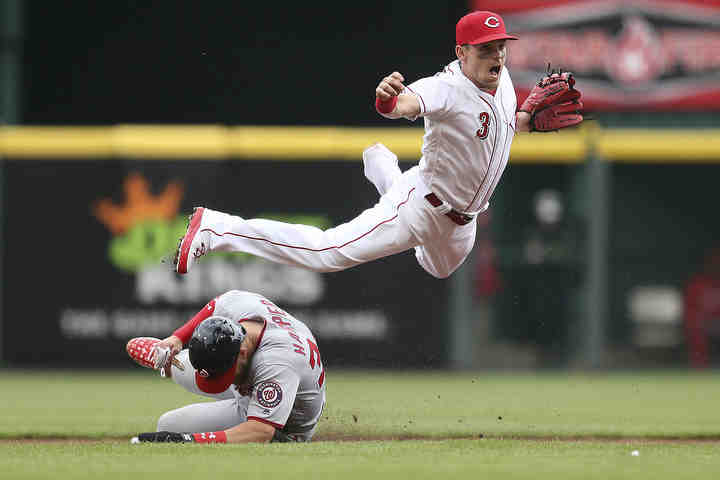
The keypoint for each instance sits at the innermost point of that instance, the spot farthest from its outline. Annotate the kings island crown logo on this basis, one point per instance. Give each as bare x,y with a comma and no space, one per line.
146,226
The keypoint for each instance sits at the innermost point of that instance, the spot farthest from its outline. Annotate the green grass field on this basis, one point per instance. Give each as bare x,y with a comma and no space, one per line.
403,425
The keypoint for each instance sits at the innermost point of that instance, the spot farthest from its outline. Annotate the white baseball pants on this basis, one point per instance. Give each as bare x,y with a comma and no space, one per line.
402,219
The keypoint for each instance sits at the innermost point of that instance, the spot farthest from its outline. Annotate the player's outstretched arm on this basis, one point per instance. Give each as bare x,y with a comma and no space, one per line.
390,103
250,431
247,432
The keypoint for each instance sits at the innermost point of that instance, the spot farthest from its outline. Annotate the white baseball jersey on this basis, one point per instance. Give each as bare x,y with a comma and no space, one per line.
465,150
286,375
468,133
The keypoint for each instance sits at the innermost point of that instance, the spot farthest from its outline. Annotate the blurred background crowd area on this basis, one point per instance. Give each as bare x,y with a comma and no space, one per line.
601,248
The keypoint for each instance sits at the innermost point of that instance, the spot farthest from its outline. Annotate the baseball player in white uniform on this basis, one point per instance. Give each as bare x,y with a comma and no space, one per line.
261,364
470,118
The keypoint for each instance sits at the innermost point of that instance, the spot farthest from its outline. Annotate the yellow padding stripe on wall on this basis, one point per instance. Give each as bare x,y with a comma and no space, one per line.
340,143
660,146
55,142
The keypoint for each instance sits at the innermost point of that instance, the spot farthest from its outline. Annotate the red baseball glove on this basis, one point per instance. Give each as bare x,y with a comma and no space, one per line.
556,117
553,103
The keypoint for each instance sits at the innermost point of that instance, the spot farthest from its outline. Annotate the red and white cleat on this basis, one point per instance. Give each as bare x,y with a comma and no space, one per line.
145,352
193,245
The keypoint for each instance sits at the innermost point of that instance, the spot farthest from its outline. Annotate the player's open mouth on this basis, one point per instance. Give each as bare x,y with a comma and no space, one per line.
495,71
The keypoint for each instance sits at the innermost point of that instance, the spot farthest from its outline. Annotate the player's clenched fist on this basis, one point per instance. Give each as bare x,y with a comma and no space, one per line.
388,101
390,86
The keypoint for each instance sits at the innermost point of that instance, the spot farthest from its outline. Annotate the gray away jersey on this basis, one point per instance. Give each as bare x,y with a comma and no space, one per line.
286,373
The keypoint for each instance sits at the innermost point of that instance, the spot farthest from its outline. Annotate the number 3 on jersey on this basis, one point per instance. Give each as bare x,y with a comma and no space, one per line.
484,129
314,351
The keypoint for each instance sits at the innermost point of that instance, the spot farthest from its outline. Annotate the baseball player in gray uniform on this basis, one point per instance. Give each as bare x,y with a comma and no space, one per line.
470,114
260,364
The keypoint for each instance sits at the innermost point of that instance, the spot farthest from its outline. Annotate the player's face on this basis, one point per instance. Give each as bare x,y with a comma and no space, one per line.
483,63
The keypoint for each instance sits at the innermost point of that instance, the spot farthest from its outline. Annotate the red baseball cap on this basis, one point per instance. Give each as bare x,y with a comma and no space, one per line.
480,27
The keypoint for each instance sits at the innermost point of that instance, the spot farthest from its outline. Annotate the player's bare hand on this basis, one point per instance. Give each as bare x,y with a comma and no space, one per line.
390,86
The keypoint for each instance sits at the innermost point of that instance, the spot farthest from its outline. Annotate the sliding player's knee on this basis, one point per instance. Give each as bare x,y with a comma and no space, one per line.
170,421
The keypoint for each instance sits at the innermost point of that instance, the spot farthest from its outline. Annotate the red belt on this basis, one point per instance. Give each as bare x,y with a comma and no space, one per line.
454,215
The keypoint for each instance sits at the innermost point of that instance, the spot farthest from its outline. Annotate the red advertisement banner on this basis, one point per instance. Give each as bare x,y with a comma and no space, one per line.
626,55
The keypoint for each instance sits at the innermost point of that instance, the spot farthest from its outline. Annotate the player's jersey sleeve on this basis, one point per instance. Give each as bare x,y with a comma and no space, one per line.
273,395
434,95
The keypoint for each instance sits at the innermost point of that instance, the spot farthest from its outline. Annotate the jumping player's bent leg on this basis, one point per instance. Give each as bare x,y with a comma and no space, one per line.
380,166
439,259
442,257
380,231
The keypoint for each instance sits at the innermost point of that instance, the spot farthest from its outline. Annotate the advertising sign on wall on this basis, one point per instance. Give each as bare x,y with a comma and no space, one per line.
87,261
627,55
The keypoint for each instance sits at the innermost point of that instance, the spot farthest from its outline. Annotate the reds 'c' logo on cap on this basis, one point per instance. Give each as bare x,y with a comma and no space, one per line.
492,22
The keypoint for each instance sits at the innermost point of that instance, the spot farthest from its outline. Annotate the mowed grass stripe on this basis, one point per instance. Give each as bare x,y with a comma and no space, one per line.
448,459
391,403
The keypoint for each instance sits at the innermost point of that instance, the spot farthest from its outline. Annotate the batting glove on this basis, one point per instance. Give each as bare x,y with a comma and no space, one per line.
165,437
